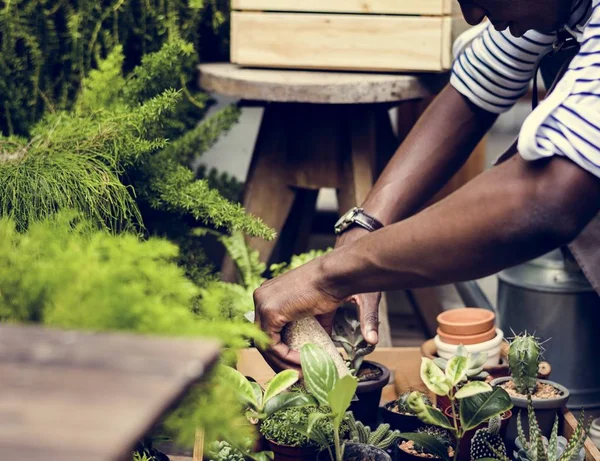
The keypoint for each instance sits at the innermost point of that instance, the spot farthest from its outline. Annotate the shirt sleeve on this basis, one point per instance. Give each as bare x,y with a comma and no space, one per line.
495,69
567,122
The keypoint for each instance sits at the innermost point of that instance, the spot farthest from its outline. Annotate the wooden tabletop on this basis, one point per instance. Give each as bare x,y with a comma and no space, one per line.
70,396
316,87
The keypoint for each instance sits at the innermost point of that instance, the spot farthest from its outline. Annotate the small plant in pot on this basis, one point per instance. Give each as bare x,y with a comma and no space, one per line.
412,450
325,385
475,372
372,377
548,397
383,438
471,406
400,416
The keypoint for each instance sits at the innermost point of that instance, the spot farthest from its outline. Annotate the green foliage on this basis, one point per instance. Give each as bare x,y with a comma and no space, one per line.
296,261
382,437
348,334
558,448
404,407
524,360
223,451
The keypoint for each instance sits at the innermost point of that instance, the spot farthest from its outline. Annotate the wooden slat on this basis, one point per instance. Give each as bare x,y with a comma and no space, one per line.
340,41
422,7
73,396
591,451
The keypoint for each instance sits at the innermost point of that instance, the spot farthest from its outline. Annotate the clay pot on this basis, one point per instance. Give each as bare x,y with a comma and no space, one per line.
366,408
400,421
468,339
464,451
285,453
493,348
466,322
358,452
545,411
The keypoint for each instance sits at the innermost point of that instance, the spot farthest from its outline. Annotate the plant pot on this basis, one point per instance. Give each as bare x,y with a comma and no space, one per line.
545,411
285,453
358,452
466,322
400,455
595,432
400,421
464,451
492,348
366,408
467,339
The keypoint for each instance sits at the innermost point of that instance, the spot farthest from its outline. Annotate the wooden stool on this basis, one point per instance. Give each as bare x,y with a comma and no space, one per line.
319,129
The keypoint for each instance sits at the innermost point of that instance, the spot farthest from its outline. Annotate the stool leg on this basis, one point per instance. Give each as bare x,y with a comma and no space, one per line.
267,192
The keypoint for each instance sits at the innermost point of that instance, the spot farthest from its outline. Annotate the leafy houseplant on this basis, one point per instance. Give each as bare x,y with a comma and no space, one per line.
558,448
399,415
372,376
470,406
548,397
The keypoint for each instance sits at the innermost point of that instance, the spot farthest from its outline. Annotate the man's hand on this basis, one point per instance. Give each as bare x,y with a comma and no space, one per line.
368,303
299,293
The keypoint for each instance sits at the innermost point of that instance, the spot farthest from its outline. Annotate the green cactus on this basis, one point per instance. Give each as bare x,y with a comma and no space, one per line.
382,437
524,361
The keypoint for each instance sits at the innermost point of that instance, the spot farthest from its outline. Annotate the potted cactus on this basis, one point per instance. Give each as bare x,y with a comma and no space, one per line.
547,396
400,416
372,377
382,438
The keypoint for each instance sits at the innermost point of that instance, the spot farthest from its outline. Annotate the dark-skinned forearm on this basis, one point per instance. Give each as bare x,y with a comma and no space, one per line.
436,148
505,216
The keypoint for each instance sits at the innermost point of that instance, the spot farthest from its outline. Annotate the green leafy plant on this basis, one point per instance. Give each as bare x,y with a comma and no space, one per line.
348,334
473,404
261,404
475,373
487,442
524,360
444,438
558,448
404,407
225,451
324,384
382,437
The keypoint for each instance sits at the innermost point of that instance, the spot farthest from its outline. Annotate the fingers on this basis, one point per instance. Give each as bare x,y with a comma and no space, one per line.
368,307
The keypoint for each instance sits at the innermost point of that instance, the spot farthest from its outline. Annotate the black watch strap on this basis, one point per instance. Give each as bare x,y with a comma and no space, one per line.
357,216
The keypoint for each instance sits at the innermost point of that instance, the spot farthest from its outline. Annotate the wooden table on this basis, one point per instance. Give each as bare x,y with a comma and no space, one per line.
69,396
320,129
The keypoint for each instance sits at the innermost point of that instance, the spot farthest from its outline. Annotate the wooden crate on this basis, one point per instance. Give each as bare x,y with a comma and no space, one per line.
366,35
404,364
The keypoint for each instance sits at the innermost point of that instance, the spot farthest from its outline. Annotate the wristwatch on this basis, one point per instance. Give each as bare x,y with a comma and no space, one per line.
359,217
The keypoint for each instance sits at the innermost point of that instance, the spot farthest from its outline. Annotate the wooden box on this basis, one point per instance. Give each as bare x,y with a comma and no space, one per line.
366,35
404,364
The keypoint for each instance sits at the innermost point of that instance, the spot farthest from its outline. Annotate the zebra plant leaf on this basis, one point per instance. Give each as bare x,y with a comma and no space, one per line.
320,373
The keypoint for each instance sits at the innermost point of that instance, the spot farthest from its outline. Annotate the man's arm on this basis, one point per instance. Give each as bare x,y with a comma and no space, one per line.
507,215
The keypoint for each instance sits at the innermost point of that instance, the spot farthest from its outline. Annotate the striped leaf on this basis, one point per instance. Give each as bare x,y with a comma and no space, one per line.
280,383
320,374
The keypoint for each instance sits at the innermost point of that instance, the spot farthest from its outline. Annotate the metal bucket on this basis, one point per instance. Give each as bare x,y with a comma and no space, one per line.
550,297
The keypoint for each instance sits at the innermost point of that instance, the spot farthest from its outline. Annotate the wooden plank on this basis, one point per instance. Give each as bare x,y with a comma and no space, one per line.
421,7
340,41
73,396
591,451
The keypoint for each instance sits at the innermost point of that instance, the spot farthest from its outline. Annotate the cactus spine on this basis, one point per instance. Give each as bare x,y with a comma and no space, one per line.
524,360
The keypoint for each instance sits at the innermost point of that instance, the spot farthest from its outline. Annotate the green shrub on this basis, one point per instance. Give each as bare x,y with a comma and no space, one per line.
281,427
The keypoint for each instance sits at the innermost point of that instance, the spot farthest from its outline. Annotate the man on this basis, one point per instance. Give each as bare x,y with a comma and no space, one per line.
539,199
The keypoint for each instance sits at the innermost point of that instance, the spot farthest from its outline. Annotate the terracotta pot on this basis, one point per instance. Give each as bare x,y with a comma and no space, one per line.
366,408
358,452
464,451
466,322
399,421
285,453
467,339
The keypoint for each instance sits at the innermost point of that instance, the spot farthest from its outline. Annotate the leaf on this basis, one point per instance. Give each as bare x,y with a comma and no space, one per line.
553,443
313,419
258,393
340,397
434,378
476,360
481,407
456,369
429,443
288,400
241,386
320,373
427,413
280,383
473,388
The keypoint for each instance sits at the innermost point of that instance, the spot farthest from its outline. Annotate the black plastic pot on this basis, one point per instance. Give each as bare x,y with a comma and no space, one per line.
400,421
545,411
358,452
285,453
366,408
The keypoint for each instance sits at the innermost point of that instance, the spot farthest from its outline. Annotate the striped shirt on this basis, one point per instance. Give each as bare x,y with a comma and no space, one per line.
495,69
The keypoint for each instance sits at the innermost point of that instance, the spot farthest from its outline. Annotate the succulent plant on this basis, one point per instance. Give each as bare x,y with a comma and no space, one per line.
524,361
382,437
487,442
404,407
558,448
348,334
